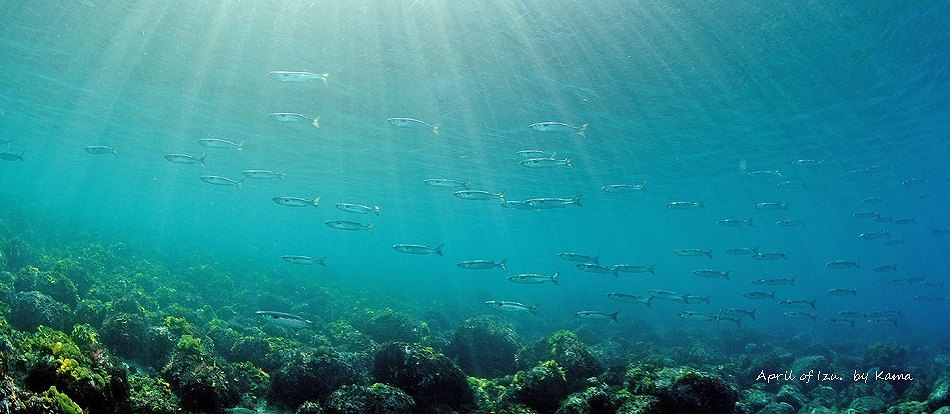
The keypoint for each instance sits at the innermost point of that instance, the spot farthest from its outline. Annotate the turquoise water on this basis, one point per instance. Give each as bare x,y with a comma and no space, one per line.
688,97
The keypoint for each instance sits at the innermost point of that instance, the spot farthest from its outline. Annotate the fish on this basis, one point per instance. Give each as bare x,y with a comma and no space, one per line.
882,314
534,278
894,242
736,222
348,225
912,181
699,316
899,282
765,173
298,77
186,159
545,203
297,201
559,127
793,184
511,306
357,208
801,303
871,235
933,284
882,219
418,249
693,252
835,321
9,156
802,315
101,149
292,117
410,123
263,174
883,321
516,205
772,206
866,214
545,162
483,264
937,299
623,297
595,268
873,200
808,163
218,180
940,232
737,313
627,268
479,195
446,183
581,258
853,315
843,292
862,172
843,264
742,251
597,315
6,142
624,188
534,154
759,295
779,281
685,205
886,268
665,295
769,256
911,220
711,273
220,144
284,319
690,299
790,222
304,260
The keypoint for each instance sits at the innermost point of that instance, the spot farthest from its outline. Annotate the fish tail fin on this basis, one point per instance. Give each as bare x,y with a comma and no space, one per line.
785,256
582,131
316,121
501,195
854,292
115,152
438,249
613,316
643,185
822,162
749,222
376,209
325,78
705,299
812,303
577,200
752,314
321,261
534,308
554,278
772,295
649,302
567,161
709,254
282,176
857,263
597,259
614,271
316,202
467,184
726,275
240,147
779,172
503,264
239,184
651,269
436,129
793,280
702,204
784,206
369,228
201,161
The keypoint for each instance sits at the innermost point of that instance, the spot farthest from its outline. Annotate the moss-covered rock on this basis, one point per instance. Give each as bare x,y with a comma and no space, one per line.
940,395
152,395
391,326
777,408
202,381
313,376
866,405
640,404
590,401
374,399
17,254
310,407
52,401
431,378
485,346
541,388
570,353
52,283
683,390
31,309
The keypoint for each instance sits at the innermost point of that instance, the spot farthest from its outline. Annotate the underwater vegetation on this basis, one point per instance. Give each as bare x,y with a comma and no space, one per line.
94,329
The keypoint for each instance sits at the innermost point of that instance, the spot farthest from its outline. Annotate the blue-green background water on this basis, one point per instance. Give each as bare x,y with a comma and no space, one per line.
686,96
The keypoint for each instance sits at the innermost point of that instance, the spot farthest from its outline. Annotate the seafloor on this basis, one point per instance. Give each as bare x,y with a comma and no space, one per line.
95,329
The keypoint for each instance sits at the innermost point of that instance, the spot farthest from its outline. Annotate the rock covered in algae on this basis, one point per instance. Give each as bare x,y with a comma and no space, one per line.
313,376
374,399
430,378
29,310
485,347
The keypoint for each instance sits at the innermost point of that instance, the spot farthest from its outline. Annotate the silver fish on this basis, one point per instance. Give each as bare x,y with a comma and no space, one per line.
483,264
284,319
802,315
883,321
853,315
808,163
769,256
883,314
665,295
595,268
220,144
418,249
304,260
186,159
580,258
843,292
298,77
535,154
866,214
842,264
882,219
765,173
871,235
912,181
558,127
410,123
101,149
736,222
263,174
873,200
348,225
737,313
771,206
797,303
292,117
911,220
9,156
217,180
597,315
623,297
511,306
479,195
624,188
698,316
446,183
545,162
793,184
685,205
627,268
691,299
356,208
790,222
711,273
297,201
552,202
693,252
516,205
534,278
759,295
779,281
